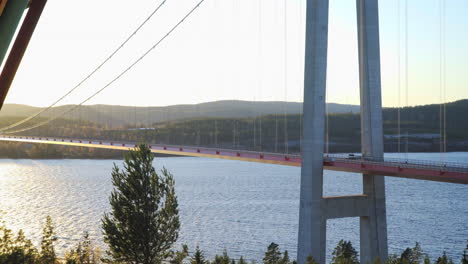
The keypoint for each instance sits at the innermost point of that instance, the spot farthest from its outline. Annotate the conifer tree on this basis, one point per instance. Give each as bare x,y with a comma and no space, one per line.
285,259
242,261
444,259
21,250
26,248
144,221
223,259
198,257
412,255
465,256
272,255
179,256
393,259
427,260
84,253
344,253
47,244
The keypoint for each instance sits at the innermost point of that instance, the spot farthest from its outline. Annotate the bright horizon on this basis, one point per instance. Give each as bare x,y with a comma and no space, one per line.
214,55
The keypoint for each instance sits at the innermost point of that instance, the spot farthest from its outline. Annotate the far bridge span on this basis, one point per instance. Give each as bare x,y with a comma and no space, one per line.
413,169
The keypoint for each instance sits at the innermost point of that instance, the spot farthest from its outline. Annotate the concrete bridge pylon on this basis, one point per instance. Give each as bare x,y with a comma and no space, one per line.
369,206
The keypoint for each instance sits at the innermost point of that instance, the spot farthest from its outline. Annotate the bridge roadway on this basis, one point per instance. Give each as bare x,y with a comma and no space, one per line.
414,169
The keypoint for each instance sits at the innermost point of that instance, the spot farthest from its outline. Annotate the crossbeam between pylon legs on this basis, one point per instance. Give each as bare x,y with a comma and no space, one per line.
370,207
346,206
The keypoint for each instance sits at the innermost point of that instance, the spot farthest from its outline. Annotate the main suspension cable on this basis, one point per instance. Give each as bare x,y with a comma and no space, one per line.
118,76
92,72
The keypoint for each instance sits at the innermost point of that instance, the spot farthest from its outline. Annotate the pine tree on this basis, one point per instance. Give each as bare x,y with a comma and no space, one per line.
144,222
344,253
223,259
393,259
285,259
47,244
444,259
84,253
179,256
22,251
465,256
412,255
272,255
242,261
427,260
198,257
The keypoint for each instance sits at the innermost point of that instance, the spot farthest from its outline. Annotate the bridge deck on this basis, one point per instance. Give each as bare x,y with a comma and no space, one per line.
414,169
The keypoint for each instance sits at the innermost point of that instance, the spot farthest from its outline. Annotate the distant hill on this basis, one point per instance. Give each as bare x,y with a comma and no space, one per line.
115,115
231,123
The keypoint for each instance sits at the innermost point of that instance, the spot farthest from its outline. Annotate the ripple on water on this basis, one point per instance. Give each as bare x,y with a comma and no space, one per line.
228,204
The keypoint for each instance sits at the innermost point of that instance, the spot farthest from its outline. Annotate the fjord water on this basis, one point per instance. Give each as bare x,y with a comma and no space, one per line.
233,205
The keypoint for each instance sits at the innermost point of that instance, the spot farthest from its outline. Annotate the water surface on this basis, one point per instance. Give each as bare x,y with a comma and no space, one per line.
235,205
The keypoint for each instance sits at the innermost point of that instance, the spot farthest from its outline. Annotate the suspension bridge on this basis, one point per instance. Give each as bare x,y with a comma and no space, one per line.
311,155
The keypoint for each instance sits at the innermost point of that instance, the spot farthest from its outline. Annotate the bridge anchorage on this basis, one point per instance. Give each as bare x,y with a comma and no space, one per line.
315,209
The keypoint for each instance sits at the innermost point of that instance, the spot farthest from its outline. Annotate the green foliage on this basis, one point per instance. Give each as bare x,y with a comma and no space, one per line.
344,132
16,250
412,255
84,253
344,253
444,259
144,222
272,255
311,260
198,257
427,260
465,255
393,259
223,259
19,249
242,261
179,256
285,259
47,244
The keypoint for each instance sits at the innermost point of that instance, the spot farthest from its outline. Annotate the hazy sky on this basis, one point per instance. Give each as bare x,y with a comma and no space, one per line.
234,49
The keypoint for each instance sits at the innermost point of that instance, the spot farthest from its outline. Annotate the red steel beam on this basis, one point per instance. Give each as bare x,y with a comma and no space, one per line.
19,47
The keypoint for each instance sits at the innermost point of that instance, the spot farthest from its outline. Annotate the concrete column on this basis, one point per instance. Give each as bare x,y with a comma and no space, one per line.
312,214
9,21
373,228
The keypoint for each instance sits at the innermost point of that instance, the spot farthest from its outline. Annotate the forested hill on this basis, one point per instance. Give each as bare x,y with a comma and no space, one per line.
420,130
429,116
114,115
